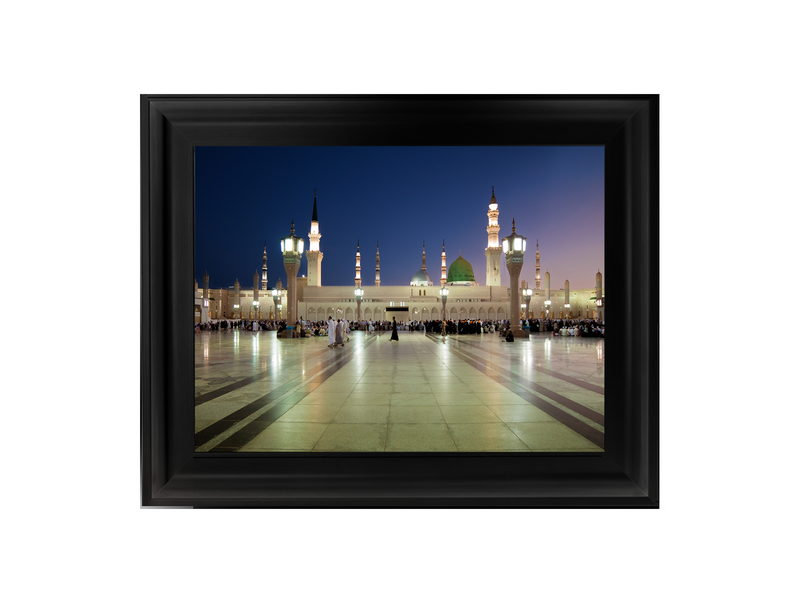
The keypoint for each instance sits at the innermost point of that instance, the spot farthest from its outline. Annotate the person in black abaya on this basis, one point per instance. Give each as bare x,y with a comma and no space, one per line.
394,334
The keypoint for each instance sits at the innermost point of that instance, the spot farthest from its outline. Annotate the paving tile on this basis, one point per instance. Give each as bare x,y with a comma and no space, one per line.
353,437
379,388
362,414
548,437
495,398
413,399
335,387
285,435
368,400
422,437
485,437
416,414
406,388
452,388
468,414
325,398
520,413
464,399
311,413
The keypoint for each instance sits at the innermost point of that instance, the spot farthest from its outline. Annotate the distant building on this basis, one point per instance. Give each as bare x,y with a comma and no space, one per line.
420,300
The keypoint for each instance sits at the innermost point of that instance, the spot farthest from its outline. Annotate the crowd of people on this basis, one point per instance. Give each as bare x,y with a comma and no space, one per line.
337,330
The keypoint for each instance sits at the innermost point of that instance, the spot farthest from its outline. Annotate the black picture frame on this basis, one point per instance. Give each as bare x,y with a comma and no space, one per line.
626,474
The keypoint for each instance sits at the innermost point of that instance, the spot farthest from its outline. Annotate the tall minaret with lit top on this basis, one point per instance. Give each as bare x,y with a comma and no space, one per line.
493,251
358,280
314,255
377,268
443,264
264,282
538,268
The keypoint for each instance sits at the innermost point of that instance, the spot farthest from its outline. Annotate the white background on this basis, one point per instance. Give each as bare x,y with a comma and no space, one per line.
729,527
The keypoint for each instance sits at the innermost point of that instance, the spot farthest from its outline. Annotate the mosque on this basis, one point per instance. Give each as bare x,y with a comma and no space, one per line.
419,301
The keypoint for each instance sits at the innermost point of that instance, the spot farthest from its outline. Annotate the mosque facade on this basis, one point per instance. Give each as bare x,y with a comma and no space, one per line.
420,300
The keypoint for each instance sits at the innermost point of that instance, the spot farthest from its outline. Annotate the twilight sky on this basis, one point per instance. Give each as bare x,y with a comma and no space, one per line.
399,196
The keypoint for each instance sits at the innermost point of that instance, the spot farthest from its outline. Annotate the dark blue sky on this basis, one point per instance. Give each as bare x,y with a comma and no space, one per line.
400,196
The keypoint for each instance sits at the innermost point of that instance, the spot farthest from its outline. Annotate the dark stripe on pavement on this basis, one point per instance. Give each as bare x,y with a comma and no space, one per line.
582,410
226,389
578,426
217,428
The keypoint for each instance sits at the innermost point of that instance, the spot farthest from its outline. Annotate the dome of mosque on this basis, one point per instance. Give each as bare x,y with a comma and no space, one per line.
460,271
421,278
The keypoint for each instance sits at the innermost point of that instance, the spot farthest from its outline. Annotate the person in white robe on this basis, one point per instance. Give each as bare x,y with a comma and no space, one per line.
339,333
331,331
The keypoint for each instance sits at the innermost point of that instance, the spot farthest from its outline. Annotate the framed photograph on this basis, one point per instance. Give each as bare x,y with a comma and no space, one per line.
272,377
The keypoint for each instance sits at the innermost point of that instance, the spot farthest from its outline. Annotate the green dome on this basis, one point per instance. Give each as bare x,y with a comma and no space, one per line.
460,271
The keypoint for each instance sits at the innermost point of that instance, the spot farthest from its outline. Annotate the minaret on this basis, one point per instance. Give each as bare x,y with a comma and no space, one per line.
314,255
443,265
493,251
358,280
236,309
538,269
424,259
377,269
567,310
264,282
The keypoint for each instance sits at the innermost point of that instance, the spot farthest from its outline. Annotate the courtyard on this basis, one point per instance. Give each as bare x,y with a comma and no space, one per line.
424,393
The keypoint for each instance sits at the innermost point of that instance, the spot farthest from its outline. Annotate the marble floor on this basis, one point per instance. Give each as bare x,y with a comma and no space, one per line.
465,393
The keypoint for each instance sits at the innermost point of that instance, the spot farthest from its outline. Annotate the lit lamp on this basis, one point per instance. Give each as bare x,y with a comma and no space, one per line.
513,247
547,305
292,249
359,298
444,295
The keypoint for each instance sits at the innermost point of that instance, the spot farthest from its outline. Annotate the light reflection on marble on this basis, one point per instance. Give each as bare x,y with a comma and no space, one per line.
441,380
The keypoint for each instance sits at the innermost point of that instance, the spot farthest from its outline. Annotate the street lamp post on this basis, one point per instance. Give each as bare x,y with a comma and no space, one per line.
514,249
547,305
359,298
444,295
292,249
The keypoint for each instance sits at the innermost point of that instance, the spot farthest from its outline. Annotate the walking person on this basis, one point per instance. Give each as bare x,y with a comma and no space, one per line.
331,332
394,334
339,333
